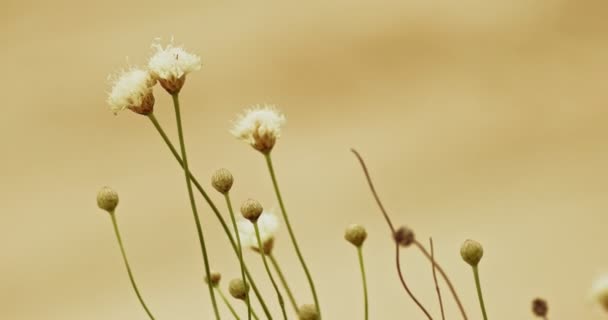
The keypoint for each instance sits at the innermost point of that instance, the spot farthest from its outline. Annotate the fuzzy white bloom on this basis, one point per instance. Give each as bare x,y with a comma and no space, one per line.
599,290
171,64
132,89
268,224
260,127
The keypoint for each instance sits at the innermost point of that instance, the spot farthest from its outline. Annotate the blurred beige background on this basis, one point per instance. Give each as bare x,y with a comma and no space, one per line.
478,119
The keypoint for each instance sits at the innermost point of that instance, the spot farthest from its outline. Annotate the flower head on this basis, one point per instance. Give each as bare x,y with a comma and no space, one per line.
268,224
107,199
260,127
599,291
170,65
471,252
355,234
132,89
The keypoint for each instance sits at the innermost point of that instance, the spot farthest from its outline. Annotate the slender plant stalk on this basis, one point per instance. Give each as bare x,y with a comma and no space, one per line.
213,207
238,241
291,233
479,294
391,226
199,228
274,284
404,284
124,258
365,298
277,268
227,303
435,278
255,316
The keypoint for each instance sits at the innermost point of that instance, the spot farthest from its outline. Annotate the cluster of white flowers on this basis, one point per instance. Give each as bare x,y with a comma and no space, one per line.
268,224
260,127
132,89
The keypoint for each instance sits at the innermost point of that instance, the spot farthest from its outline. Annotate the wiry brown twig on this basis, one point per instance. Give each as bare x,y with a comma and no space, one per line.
435,278
421,247
390,224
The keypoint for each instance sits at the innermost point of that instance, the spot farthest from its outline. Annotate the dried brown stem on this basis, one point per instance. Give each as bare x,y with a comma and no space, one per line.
435,278
398,260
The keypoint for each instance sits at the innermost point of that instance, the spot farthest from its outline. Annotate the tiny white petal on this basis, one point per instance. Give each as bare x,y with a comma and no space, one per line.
172,62
268,224
129,88
259,127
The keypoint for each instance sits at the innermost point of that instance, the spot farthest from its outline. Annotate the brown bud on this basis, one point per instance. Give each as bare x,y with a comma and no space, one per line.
238,289
107,199
251,210
540,307
471,252
308,312
355,234
404,236
215,278
146,107
267,246
173,85
222,180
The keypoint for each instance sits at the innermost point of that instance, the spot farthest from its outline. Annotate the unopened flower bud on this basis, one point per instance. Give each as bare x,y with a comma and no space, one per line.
471,252
238,289
540,307
107,199
355,234
222,180
308,312
404,236
251,210
214,277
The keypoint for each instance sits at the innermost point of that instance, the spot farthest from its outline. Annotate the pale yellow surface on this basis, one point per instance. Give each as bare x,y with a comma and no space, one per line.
479,119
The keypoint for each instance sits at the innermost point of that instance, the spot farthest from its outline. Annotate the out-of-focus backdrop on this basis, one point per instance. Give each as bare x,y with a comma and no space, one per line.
478,119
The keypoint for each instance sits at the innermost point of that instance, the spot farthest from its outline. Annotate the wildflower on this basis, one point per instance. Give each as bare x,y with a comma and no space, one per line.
215,278
251,210
355,234
238,289
268,225
260,127
222,181
599,291
308,312
132,89
107,199
471,252
171,64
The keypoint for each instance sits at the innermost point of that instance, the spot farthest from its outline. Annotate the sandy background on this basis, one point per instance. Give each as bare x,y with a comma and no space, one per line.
480,119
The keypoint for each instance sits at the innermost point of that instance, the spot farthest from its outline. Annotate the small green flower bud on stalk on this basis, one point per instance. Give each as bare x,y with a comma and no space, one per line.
215,278
107,199
308,312
222,180
238,289
471,252
540,307
251,210
355,234
404,236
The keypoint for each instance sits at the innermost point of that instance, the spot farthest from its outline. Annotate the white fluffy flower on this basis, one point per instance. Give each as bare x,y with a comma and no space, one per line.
171,64
260,127
268,224
132,89
599,290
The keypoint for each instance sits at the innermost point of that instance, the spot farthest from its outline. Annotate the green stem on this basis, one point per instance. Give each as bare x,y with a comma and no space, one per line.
274,284
478,285
217,213
365,299
238,240
291,233
227,303
275,264
124,257
199,228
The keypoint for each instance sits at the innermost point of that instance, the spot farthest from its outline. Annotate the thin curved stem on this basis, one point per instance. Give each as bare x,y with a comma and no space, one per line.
213,207
238,241
364,279
479,294
227,303
435,278
407,289
199,228
124,258
274,284
277,268
444,276
291,233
